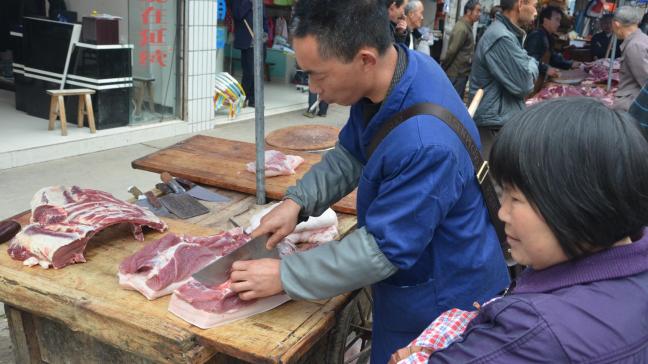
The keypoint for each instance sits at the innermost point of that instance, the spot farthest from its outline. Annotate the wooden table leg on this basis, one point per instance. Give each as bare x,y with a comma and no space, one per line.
62,115
81,114
90,110
23,336
52,114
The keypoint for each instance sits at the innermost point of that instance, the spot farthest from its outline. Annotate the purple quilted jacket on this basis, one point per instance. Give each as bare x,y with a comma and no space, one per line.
594,310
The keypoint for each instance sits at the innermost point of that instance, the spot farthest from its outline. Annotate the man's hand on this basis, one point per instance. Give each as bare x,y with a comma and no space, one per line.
575,64
253,279
401,26
279,222
552,72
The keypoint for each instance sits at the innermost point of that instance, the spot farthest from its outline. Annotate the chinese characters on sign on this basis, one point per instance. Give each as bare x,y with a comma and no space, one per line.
153,46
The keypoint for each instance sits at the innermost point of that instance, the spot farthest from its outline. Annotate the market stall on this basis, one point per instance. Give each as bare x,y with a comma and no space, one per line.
81,314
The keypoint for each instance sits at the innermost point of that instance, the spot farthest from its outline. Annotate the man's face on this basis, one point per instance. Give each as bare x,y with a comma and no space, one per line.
606,26
396,12
415,18
616,29
552,24
335,81
475,13
528,11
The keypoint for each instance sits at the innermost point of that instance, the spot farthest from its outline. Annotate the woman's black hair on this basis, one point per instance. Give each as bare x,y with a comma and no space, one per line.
584,168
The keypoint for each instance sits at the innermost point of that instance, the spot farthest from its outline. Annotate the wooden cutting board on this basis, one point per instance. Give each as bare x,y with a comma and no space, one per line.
87,298
222,163
307,137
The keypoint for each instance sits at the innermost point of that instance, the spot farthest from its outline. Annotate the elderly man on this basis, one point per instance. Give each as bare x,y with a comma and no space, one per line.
634,64
414,18
502,68
461,47
540,45
397,22
424,240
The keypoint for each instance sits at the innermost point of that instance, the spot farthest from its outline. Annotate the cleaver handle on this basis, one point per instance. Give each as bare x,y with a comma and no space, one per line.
168,179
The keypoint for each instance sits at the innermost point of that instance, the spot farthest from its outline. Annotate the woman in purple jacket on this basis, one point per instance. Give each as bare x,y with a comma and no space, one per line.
575,203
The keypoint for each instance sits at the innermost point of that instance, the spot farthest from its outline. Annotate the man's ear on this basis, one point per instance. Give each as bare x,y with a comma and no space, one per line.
368,58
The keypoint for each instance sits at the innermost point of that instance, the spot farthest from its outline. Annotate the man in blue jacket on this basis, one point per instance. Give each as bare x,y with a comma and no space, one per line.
424,240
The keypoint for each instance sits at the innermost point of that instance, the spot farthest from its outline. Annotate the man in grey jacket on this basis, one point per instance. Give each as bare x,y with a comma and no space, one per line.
634,62
502,68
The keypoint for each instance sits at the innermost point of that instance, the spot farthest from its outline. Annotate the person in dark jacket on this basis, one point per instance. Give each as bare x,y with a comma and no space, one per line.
243,40
601,41
584,295
397,22
540,44
461,46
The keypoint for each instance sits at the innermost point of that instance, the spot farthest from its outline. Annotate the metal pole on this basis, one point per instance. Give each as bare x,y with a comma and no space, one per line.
612,58
258,100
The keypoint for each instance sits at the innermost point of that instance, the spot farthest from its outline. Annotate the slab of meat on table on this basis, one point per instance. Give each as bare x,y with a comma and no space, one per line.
555,91
278,164
599,71
64,219
164,265
208,307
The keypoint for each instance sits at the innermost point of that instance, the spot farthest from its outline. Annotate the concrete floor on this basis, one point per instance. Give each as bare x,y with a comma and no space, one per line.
110,171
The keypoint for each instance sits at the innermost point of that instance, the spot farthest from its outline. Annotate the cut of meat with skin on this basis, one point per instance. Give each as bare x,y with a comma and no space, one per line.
207,307
162,266
64,219
552,92
278,164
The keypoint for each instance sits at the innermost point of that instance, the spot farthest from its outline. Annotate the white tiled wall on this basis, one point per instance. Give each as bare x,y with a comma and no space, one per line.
201,62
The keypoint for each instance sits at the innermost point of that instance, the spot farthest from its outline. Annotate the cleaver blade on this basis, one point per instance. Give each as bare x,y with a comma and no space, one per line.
219,270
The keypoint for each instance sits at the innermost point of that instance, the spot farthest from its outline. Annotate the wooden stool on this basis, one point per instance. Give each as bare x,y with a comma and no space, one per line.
144,93
308,138
57,108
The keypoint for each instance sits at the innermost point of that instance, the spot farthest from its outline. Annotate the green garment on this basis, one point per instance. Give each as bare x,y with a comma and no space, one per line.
460,50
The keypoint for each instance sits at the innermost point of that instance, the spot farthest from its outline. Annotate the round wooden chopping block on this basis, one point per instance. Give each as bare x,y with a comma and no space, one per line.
306,137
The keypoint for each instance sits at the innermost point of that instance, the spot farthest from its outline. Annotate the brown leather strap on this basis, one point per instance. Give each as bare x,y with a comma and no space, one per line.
480,166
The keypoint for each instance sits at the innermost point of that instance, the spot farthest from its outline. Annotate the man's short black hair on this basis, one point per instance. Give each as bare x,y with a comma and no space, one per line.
398,3
582,166
470,6
548,12
508,4
343,27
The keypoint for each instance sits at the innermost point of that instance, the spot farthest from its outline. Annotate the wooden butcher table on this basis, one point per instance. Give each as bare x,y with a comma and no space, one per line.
79,314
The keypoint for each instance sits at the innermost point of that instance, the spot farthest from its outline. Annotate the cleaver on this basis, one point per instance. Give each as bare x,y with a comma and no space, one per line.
219,270
179,185
149,201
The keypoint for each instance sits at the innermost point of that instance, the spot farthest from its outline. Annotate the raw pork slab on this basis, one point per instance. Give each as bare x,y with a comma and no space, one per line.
208,307
278,164
168,263
64,219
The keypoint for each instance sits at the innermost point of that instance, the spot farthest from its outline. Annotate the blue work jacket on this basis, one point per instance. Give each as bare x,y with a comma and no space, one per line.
419,198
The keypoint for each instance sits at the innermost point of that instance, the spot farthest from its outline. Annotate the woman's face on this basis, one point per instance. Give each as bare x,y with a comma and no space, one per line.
532,242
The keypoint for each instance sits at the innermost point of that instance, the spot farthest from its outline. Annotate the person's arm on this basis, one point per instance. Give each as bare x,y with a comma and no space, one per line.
512,67
536,48
400,222
557,60
457,39
335,267
637,59
334,177
511,331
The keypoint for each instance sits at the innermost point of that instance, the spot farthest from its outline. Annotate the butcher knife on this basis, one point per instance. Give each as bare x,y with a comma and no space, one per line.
219,270
149,201
200,192
180,203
